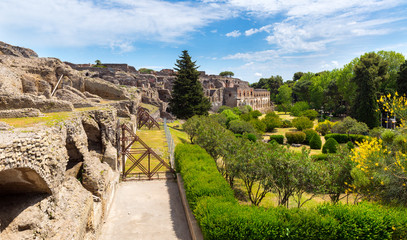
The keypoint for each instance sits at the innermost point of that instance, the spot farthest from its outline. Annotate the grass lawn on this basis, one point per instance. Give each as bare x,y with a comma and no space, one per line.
48,119
155,139
271,199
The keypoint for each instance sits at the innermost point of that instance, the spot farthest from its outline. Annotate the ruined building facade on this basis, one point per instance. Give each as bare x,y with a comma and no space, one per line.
156,87
234,92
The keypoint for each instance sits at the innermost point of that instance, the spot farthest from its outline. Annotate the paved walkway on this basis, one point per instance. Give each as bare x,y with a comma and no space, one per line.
146,210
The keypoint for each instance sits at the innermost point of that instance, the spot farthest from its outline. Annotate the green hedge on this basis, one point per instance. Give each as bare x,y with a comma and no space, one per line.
279,138
200,174
315,142
295,137
344,138
220,216
330,146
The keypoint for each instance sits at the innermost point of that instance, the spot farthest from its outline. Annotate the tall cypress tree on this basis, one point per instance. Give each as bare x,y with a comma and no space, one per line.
402,79
188,98
370,71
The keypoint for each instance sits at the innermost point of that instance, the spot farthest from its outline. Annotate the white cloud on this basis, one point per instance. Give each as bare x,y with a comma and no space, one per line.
257,30
258,74
235,33
105,23
253,56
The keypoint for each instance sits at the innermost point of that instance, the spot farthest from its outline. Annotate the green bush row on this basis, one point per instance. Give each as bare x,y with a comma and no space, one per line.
220,216
295,137
200,174
278,138
344,138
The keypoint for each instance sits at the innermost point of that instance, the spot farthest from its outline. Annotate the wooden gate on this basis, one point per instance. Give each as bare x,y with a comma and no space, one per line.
145,119
137,155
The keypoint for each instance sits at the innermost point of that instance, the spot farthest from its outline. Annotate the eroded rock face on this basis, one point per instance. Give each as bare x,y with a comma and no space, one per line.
7,49
64,186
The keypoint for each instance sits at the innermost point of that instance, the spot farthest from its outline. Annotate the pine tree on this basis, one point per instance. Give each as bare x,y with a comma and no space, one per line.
370,71
188,98
402,79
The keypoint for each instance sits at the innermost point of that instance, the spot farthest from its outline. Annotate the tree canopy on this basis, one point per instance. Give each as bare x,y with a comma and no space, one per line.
188,98
370,71
227,74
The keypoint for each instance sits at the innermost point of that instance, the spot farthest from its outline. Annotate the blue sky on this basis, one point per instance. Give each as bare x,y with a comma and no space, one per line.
252,38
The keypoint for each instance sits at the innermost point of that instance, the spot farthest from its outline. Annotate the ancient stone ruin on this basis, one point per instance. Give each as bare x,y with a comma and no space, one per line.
59,153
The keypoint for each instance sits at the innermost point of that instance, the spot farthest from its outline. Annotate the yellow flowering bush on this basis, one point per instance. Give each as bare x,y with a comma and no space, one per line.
380,173
395,106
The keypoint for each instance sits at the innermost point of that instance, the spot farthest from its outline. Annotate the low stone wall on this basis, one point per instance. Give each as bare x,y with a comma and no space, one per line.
20,113
26,101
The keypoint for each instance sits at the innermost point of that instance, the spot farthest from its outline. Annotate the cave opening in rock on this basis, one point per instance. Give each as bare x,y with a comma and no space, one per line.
92,131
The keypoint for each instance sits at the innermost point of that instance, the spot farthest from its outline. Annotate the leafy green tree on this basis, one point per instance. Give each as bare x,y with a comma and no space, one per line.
98,62
301,89
227,74
257,180
339,167
188,98
370,71
230,116
146,70
347,87
302,123
297,76
271,122
350,126
310,113
191,127
299,107
240,127
258,125
395,60
402,79
284,97
272,84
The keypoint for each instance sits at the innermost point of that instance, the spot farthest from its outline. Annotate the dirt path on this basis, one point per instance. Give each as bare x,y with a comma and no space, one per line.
146,210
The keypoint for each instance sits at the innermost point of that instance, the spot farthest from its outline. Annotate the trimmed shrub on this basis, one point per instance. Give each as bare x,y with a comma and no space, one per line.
278,138
331,146
200,174
309,133
340,138
344,138
319,157
350,145
286,124
295,137
302,123
310,113
315,142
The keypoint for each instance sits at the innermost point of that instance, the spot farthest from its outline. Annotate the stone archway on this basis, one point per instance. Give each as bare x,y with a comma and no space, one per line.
22,180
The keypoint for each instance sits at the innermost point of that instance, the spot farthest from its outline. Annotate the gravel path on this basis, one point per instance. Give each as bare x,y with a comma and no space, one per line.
146,210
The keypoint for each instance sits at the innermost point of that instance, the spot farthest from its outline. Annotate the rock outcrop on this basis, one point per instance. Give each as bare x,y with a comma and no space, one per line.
7,49
64,177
